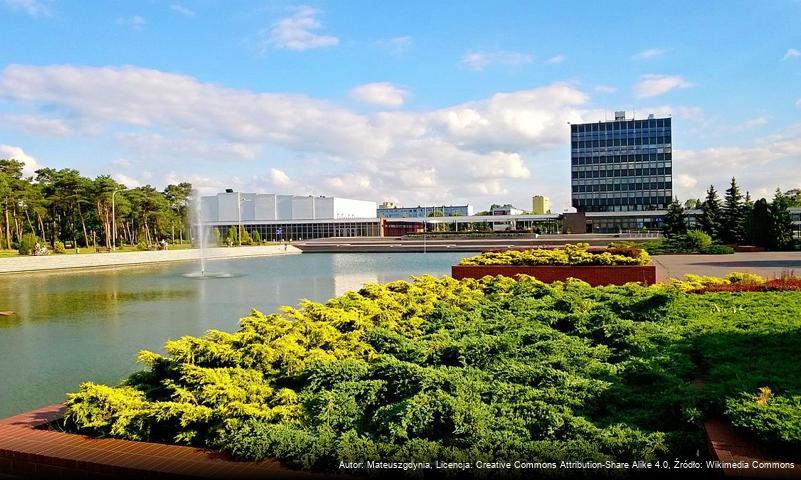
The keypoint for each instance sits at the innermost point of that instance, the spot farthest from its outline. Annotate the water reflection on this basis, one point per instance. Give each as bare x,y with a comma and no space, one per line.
72,327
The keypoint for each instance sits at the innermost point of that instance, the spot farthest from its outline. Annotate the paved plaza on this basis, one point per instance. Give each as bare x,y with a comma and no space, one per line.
96,260
766,264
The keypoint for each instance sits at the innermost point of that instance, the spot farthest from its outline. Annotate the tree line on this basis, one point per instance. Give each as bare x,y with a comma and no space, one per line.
61,205
737,219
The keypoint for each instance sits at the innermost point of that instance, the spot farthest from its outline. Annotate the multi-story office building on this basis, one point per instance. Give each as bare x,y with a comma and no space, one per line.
390,210
622,165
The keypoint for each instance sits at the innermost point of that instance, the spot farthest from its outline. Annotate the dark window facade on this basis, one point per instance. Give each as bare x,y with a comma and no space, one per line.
621,165
274,232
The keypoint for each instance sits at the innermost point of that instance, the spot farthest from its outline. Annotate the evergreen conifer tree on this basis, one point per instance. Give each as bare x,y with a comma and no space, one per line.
710,213
781,223
731,223
674,223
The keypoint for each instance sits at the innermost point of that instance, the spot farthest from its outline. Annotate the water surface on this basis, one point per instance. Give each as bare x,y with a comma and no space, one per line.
72,327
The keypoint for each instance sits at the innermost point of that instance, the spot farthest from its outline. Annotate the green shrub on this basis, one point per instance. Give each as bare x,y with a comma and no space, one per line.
256,237
27,244
142,246
58,247
439,368
696,240
717,250
773,418
245,238
569,255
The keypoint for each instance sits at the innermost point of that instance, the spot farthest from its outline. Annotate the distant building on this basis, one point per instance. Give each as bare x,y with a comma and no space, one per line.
504,210
390,210
622,165
540,205
278,217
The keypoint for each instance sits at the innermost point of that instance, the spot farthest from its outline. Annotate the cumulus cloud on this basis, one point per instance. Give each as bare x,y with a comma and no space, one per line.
791,53
686,181
177,7
480,60
34,8
279,177
58,127
129,182
296,32
655,85
11,152
177,123
382,94
649,53
761,167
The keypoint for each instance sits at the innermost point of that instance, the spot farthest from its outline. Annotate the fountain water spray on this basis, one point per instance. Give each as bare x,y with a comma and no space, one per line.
201,235
200,239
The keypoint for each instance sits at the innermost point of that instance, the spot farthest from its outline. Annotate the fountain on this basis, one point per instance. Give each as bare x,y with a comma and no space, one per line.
200,239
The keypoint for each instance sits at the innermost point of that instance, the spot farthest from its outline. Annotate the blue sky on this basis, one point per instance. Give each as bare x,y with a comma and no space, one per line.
417,102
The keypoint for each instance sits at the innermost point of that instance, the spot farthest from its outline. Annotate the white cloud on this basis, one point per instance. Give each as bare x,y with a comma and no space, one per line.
34,8
10,152
556,59
166,122
655,85
279,177
751,123
686,181
296,32
791,53
649,53
135,22
176,7
121,163
58,127
605,89
480,60
382,94
759,167
798,103
395,45
129,182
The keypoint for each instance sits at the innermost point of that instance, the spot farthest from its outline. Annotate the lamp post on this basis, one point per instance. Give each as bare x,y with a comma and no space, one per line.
114,220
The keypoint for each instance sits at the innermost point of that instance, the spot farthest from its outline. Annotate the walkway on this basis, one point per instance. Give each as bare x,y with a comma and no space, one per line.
767,264
29,451
95,260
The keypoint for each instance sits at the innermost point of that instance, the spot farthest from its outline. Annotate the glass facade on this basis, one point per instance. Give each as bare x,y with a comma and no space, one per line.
621,165
274,232
414,212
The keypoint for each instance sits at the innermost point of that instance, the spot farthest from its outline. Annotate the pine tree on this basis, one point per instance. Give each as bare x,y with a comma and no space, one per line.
731,223
710,213
674,223
748,219
781,223
761,224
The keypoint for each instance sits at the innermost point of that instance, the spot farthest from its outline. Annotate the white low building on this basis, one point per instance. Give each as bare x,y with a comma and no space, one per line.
294,217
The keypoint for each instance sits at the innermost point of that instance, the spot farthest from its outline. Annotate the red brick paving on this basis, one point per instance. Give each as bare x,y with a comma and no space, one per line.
728,445
27,450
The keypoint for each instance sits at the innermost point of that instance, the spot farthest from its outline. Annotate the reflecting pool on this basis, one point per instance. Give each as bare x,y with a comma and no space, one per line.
71,327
